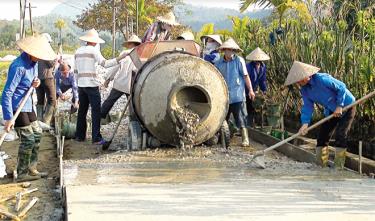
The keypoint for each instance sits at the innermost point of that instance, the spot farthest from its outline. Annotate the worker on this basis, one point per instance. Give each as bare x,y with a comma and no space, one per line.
46,91
332,94
257,72
88,81
23,74
210,45
233,69
66,80
161,29
122,76
187,36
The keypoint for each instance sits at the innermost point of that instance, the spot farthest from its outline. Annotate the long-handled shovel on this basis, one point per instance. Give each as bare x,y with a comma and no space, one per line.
258,157
15,115
107,144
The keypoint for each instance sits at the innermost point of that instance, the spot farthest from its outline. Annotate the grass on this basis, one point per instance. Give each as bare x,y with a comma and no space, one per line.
3,74
8,52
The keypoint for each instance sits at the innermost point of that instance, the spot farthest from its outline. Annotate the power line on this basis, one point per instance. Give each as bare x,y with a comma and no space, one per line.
70,5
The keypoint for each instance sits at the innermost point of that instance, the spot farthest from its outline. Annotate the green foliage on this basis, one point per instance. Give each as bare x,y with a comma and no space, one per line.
4,66
99,15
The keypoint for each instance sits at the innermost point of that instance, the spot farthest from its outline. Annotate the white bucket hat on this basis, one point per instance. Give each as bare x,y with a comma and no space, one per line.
168,18
258,55
92,36
299,71
230,44
133,39
37,46
216,38
187,35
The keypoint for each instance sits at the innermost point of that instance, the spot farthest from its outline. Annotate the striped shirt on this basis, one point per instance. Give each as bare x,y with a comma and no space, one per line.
85,60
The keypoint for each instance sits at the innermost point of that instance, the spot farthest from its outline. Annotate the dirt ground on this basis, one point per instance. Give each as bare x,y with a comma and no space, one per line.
48,207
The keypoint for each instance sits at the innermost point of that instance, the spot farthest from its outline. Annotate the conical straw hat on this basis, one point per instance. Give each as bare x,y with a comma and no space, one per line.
169,19
133,39
299,71
258,55
216,38
187,35
37,46
92,36
230,44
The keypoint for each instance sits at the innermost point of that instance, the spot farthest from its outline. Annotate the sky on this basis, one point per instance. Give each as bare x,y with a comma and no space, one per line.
9,9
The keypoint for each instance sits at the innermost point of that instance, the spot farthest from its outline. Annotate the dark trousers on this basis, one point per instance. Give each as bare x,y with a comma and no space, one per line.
88,96
25,119
47,90
250,112
239,113
341,124
114,95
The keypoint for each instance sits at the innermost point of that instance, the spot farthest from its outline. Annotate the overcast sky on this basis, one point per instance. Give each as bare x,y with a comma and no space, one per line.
9,9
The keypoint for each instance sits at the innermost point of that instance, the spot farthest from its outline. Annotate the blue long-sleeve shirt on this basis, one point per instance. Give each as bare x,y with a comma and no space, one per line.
326,91
212,57
258,79
70,81
234,72
21,74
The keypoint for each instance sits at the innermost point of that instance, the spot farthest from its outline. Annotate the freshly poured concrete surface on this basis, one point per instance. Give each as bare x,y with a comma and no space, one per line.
214,186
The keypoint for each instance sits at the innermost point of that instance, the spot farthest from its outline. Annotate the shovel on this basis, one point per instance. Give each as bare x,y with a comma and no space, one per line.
15,115
258,157
107,144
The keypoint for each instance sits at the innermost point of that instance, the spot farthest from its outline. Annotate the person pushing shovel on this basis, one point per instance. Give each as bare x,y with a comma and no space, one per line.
23,74
332,94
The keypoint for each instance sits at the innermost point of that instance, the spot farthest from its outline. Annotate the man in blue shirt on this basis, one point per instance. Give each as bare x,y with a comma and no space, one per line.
233,69
65,80
23,74
332,94
210,51
257,72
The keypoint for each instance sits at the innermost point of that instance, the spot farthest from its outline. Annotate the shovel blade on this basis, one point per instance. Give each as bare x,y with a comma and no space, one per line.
259,161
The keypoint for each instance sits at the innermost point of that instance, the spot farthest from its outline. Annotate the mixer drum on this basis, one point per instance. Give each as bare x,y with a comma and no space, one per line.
174,80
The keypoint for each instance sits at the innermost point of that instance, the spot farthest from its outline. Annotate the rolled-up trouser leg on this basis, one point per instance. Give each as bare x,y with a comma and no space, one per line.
37,137
341,135
27,144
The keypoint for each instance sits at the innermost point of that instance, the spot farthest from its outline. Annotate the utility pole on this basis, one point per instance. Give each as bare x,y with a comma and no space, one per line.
31,20
22,18
137,16
113,28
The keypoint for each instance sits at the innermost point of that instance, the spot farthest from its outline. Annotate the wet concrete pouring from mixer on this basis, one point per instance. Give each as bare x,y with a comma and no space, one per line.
187,123
208,183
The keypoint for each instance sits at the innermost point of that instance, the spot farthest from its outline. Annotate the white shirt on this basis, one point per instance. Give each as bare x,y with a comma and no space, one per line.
122,74
85,60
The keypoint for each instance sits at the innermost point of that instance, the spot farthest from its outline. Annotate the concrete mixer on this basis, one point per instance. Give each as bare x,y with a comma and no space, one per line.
177,97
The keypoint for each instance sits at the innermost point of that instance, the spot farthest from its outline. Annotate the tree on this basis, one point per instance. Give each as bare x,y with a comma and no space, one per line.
281,7
60,24
99,15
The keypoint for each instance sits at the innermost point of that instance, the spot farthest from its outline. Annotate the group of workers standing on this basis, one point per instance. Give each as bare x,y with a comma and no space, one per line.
35,68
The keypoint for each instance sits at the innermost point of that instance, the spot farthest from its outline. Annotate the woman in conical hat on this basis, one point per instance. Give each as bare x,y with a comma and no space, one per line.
22,75
211,43
186,35
257,73
161,28
332,94
233,69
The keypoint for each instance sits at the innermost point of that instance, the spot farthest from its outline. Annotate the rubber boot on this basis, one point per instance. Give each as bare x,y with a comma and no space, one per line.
245,137
27,142
340,156
322,154
35,151
48,115
39,112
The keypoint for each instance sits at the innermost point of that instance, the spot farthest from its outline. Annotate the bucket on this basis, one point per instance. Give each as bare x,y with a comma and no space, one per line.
273,121
274,110
68,130
278,134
